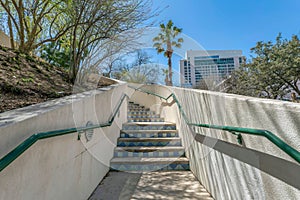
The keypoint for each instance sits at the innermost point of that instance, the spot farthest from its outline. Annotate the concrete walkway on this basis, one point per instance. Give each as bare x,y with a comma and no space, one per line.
150,185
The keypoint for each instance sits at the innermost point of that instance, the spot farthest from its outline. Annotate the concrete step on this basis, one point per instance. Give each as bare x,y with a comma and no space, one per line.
133,104
149,126
143,116
149,164
147,143
149,151
138,109
146,120
134,142
148,133
141,113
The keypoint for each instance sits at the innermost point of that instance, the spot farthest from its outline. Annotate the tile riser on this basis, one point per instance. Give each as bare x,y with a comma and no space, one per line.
132,127
146,120
137,107
142,116
155,154
148,135
141,113
148,144
138,110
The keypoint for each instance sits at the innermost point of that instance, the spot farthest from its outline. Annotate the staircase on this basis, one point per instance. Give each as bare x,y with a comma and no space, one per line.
148,143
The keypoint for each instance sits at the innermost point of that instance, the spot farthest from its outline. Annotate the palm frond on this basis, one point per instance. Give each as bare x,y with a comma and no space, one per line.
180,40
166,54
178,45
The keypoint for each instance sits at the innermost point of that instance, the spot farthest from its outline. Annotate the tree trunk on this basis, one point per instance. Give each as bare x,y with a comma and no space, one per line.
170,68
11,33
20,11
73,63
167,79
74,69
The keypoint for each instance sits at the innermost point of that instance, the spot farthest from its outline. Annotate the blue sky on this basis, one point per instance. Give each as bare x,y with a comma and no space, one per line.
232,24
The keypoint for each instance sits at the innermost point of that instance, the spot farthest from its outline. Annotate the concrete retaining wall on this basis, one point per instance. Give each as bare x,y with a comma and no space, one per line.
256,170
60,167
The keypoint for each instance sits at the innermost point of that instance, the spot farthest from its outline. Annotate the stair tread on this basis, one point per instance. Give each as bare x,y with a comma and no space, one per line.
165,148
142,111
150,123
149,131
147,160
145,118
143,115
149,139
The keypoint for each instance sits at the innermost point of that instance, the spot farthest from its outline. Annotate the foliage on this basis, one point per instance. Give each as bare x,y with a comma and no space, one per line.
273,73
164,43
47,26
34,23
57,53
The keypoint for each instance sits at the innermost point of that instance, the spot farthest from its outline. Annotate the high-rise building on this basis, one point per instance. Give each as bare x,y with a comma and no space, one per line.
212,66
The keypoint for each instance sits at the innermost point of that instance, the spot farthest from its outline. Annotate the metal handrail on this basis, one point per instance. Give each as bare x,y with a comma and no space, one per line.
17,151
233,130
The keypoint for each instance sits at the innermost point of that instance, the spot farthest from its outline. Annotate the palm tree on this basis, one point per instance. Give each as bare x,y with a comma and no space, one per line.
164,43
166,74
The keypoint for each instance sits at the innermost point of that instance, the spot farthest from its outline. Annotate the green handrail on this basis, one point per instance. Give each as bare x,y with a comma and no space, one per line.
16,152
233,130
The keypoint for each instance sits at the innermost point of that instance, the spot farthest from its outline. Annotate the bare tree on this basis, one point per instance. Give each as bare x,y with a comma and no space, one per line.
108,53
98,21
140,70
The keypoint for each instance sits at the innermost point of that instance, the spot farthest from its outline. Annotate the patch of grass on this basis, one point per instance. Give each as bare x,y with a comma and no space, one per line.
4,48
28,80
22,55
29,58
31,75
17,67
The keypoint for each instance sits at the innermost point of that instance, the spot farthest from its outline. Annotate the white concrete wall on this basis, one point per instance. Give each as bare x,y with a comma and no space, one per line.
220,166
60,167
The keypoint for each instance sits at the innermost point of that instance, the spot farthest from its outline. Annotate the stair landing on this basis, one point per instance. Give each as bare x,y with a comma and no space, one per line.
150,185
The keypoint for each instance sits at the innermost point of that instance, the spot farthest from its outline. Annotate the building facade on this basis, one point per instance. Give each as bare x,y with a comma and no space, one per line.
208,67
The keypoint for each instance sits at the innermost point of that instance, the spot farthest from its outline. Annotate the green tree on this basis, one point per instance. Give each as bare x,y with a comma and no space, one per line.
164,43
272,73
36,22
57,53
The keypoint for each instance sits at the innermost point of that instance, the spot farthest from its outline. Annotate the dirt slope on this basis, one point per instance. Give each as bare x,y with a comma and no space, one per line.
26,80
